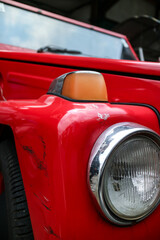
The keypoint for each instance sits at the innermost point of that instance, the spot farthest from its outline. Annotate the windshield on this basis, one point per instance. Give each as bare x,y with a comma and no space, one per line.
28,29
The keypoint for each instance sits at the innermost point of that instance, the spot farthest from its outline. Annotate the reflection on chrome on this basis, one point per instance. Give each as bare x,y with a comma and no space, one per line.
123,172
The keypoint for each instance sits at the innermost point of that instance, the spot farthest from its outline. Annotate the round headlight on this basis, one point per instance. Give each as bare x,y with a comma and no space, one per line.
124,172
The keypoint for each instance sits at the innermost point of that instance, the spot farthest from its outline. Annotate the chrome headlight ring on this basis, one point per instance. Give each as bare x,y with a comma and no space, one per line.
124,172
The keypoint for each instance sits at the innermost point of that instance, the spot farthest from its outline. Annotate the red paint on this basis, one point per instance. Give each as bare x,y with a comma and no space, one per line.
57,194
54,137
9,48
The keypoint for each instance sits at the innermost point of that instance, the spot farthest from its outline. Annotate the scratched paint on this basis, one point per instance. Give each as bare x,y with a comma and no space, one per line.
103,116
43,202
50,231
38,154
40,163
44,147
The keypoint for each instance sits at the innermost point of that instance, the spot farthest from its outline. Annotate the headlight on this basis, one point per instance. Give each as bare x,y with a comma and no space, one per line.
124,172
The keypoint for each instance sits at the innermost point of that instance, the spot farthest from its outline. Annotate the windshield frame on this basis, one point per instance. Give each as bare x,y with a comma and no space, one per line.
71,21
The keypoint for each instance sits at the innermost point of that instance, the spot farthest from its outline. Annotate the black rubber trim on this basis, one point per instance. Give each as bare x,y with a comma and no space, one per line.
141,105
113,103
126,74
75,100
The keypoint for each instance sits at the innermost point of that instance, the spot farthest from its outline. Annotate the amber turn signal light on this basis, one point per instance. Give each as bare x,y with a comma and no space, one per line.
85,85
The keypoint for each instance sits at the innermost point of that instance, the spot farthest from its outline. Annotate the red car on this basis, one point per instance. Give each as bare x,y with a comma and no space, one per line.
79,131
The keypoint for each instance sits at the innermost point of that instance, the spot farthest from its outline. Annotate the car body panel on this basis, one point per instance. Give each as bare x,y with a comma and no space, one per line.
127,81
54,136
51,135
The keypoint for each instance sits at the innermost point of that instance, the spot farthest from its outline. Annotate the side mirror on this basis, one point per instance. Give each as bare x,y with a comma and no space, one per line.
80,85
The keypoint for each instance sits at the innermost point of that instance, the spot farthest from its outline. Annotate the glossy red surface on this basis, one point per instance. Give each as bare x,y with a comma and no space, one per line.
54,137
28,75
11,48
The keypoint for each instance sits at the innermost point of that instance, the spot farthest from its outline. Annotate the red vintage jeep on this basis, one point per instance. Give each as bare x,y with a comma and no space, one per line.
79,131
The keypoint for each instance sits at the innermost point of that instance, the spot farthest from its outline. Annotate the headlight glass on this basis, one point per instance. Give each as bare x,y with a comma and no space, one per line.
124,172
131,180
